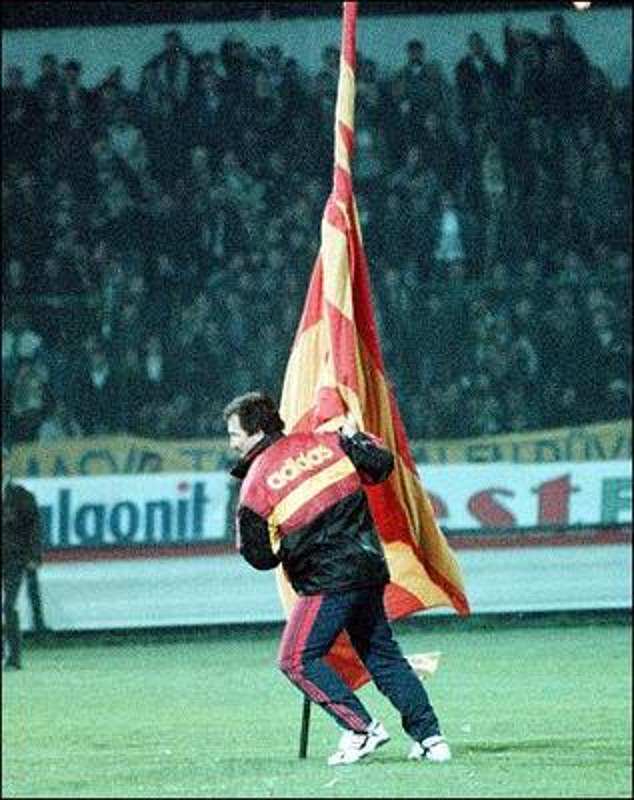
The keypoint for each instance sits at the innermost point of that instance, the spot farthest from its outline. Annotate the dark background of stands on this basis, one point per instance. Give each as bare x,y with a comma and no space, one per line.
157,242
61,13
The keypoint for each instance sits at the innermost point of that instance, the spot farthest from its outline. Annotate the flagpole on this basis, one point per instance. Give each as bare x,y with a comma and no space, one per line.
303,736
344,113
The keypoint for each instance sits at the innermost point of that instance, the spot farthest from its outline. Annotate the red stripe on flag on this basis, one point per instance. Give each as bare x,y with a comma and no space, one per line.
344,660
399,602
333,214
458,599
348,36
347,134
363,307
343,185
312,309
388,513
342,332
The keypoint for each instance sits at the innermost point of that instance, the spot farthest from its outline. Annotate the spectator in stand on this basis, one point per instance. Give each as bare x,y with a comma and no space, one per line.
483,412
524,317
267,123
599,100
49,78
370,155
59,423
564,333
157,374
524,67
566,74
76,110
604,200
115,216
424,85
156,119
440,151
618,400
560,404
368,96
210,108
525,365
28,238
124,138
27,342
238,67
449,412
17,279
449,247
497,218
97,393
329,67
167,125
59,277
606,351
520,413
398,107
619,138
571,228
20,118
174,68
29,401
480,82
395,243
108,97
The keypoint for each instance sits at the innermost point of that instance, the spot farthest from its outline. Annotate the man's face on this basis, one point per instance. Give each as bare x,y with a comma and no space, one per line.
239,439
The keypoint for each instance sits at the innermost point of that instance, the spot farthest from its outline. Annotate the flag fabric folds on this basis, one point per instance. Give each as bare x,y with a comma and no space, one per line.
335,366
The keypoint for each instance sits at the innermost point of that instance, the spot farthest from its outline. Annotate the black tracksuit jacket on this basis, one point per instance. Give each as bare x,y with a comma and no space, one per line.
302,504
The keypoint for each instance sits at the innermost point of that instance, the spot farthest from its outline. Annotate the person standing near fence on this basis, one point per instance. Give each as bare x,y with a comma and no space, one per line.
21,553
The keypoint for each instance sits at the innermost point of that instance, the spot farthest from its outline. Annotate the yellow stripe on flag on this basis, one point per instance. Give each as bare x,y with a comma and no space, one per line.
337,285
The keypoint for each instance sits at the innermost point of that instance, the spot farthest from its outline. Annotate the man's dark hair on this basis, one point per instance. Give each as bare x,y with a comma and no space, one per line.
256,411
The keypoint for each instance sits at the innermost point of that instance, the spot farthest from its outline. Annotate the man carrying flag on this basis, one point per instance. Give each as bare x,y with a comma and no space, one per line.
303,506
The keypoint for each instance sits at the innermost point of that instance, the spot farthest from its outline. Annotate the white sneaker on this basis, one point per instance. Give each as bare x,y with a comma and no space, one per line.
354,746
433,748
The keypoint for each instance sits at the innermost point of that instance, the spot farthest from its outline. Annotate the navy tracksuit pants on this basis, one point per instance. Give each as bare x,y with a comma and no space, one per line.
315,623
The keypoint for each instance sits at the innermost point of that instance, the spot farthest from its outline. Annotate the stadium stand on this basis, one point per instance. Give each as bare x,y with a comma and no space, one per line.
157,243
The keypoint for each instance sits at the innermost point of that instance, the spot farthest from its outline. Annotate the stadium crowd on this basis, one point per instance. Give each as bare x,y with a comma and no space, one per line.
157,243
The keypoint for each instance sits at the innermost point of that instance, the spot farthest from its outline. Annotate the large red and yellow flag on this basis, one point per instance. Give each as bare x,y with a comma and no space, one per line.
336,366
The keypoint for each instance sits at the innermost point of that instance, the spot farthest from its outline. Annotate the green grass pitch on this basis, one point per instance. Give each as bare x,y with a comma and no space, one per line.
535,710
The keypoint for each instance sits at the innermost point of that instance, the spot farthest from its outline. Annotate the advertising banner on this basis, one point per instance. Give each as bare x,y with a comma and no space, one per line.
517,496
95,512
124,455
189,508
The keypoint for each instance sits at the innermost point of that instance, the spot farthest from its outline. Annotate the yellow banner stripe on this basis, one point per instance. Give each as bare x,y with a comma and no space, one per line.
407,571
345,96
306,491
337,286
